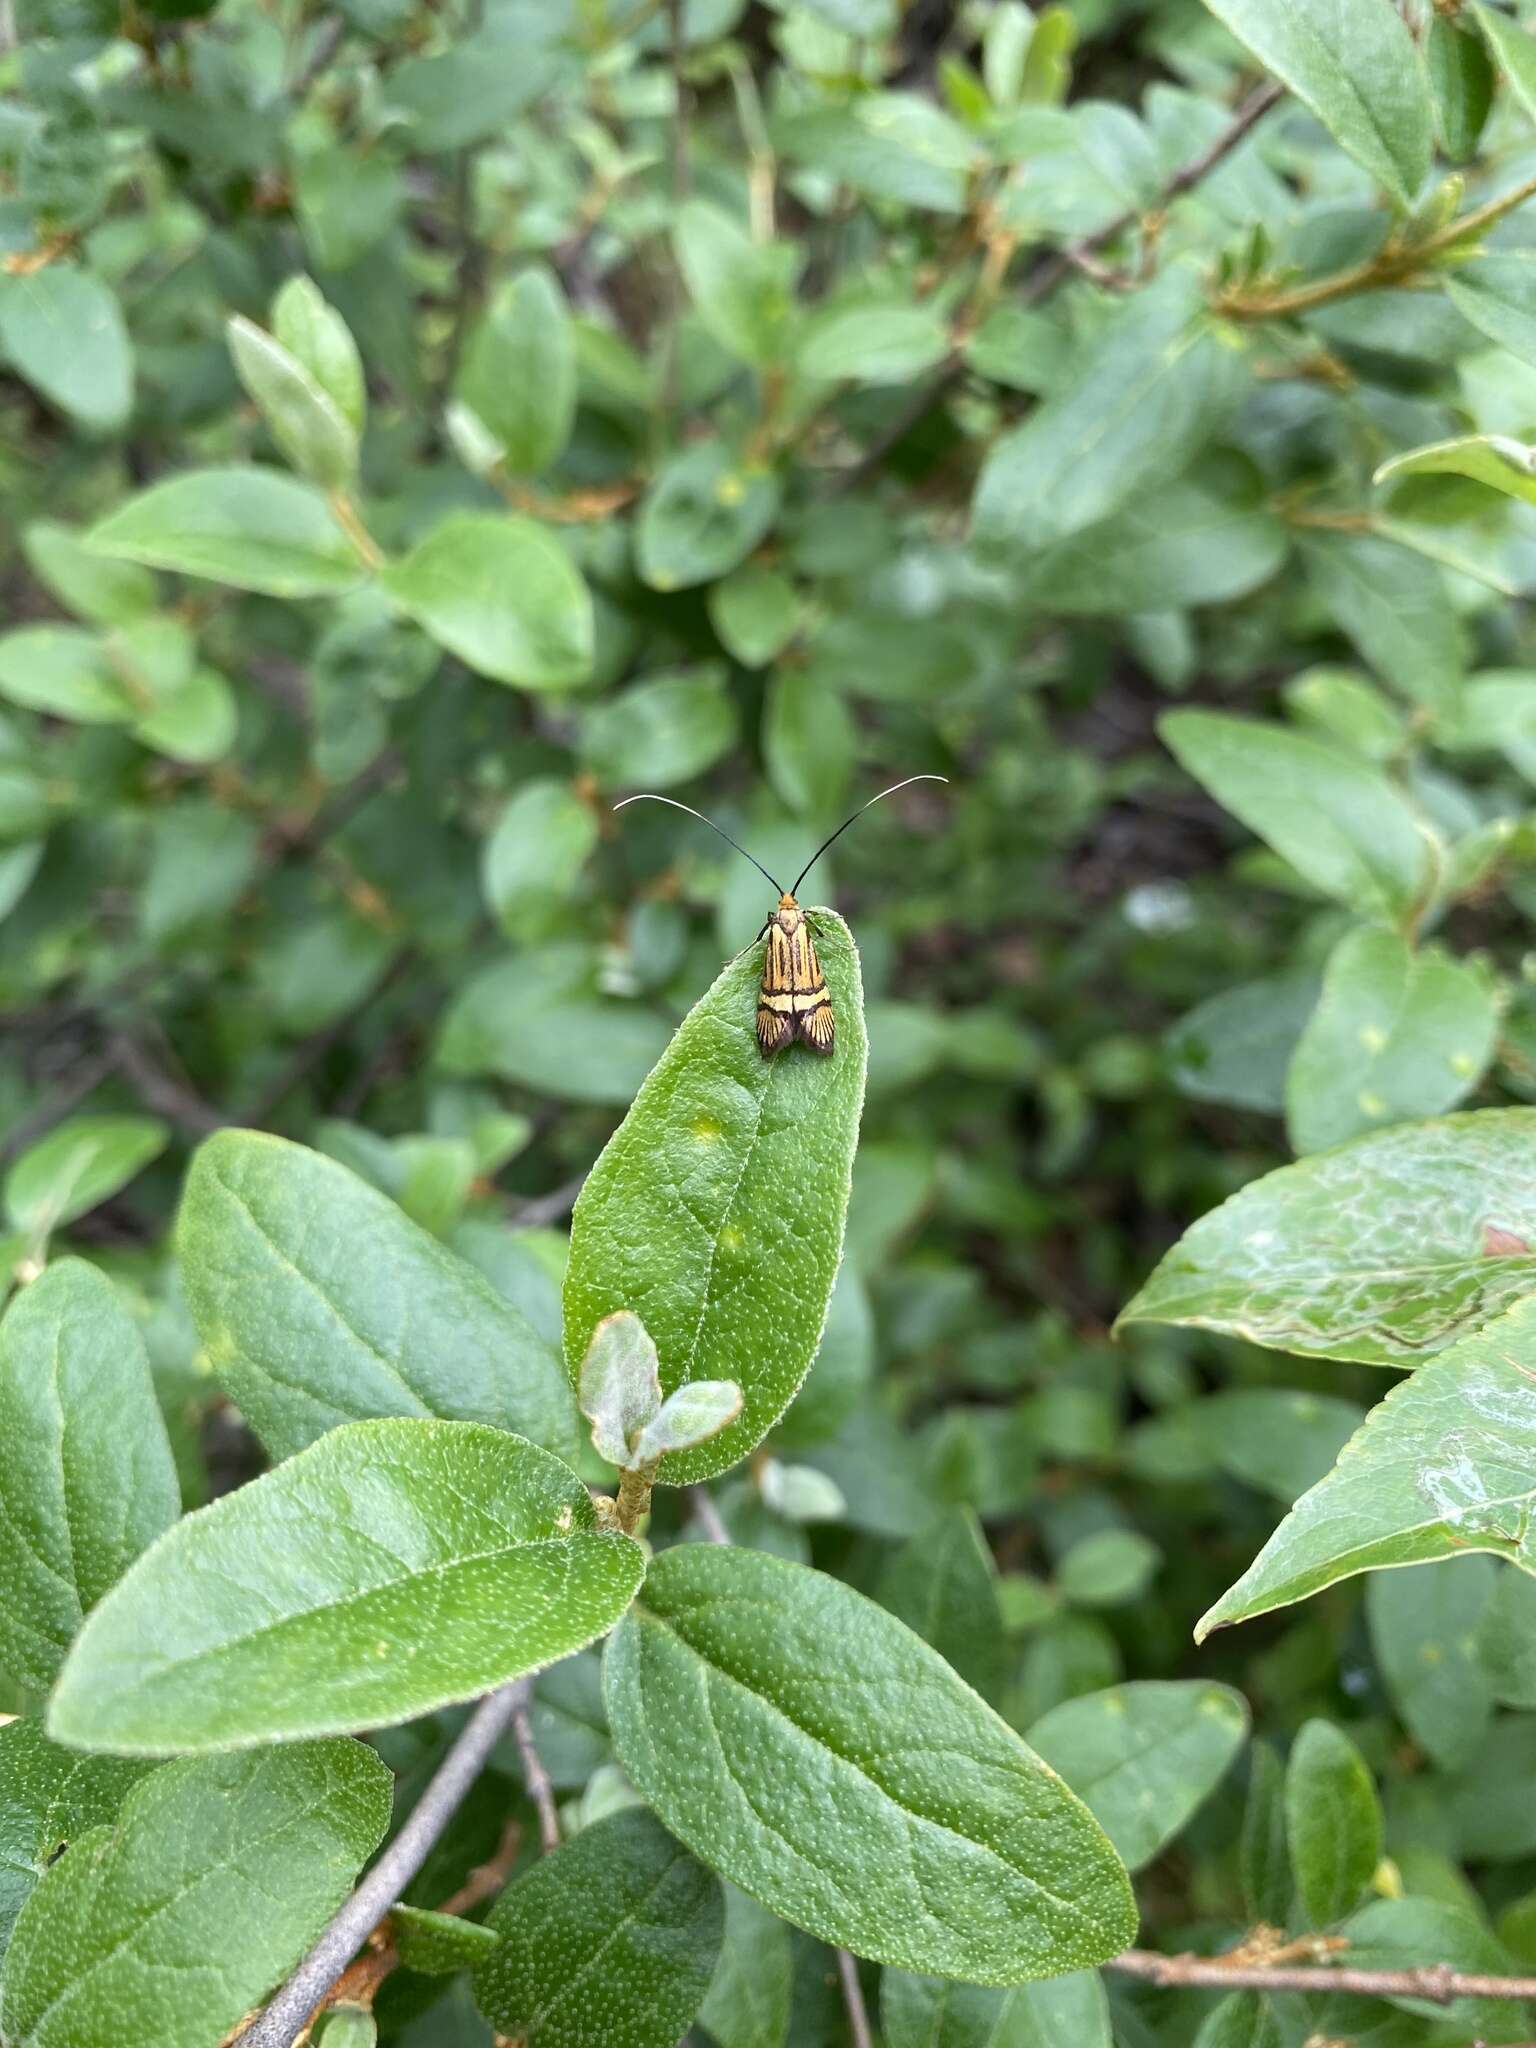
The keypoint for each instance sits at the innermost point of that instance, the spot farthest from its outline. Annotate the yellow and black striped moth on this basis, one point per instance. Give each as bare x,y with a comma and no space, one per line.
792,1001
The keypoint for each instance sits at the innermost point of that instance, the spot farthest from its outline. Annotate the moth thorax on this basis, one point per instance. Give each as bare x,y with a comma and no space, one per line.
789,915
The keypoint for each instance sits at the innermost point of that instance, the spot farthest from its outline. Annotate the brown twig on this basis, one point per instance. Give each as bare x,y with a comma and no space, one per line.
1079,255
1437,1983
288,2013
536,1780
853,2000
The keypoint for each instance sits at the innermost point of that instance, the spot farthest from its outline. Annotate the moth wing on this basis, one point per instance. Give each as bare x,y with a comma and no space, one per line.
773,1031
818,1029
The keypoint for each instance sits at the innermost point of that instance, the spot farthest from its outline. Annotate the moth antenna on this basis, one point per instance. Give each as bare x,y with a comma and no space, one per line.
649,796
816,856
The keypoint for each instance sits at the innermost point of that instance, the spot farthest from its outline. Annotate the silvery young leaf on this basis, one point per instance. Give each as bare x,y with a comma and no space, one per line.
1144,1756
49,1797
608,1943
437,1944
821,1756
716,1209
389,1569
617,1385
86,1474
691,1416
748,2002
319,1302
1332,1821
171,1924
932,2012
1385,1249
1445,1464
1359,71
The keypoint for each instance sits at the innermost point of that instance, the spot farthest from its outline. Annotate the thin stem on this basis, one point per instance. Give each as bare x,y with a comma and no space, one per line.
1392,265
349,519
853,2000
707,1515
280,2025
536,1780
1436,1982
634,1496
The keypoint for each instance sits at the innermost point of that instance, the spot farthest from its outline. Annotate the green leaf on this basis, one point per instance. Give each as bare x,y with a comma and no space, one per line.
1180,544
755,611
253,528
196,722
1514,50
748,2001
1395,607
540,1021
80,1164
1107,1569
617,1386
317,337
1335,818
1285,1262
743,290
1359,71
1264,1850
662,731
1150,389
128,1934
799,1493
1506,1638
703,515
519,374
932,2012
502,595
750,1699
1442,1466
540,845
943,1584
49,1797
63,331
613,1938
1425,1633
873,344
1398,1032
1144,1757
1332,1822
1279,1442
1497,292
64,671
391,1568
438,1944
104,593
1462,77
1504,464
1235,1047
305,421
810,742
728,1170
87,1479
318,1303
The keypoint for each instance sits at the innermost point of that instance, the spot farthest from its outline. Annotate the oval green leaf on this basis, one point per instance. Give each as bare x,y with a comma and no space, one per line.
931,2012
1286,1262
716,1210
1144,1757
127,1938
319,1302
815,1751
389,1569
612,1939
501,595
87,1478
254,529
49,1797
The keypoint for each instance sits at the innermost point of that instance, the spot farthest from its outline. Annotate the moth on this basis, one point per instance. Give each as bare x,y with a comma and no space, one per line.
792,1000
